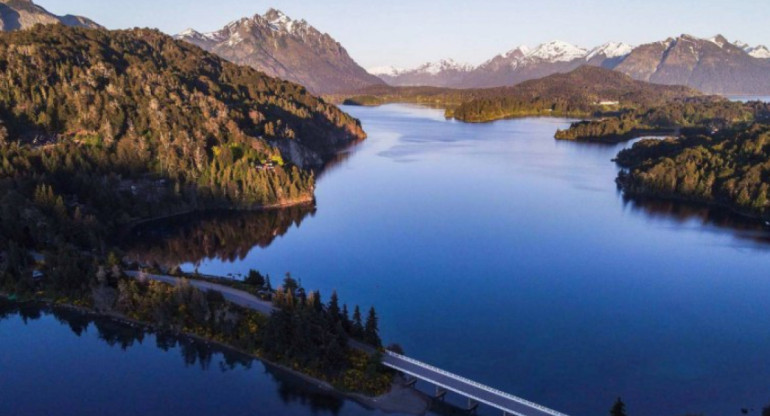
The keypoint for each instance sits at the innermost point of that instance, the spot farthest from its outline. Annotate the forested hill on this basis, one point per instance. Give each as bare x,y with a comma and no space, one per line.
582,92
141,83
106,127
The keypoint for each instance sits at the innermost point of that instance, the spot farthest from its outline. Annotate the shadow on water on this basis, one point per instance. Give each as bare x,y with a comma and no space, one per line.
223,235
681,213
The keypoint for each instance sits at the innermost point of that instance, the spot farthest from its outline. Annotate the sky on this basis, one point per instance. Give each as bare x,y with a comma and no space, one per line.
407,33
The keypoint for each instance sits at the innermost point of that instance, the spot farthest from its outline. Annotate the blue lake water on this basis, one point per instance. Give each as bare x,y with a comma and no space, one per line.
61,363
498,253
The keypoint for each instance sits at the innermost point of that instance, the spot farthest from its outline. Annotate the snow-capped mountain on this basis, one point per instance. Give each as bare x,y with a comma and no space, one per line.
556,51
517,65
442,72
286,48
712,65
759,52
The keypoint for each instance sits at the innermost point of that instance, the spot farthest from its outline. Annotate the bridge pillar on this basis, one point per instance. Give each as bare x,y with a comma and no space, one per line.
440,393
473,406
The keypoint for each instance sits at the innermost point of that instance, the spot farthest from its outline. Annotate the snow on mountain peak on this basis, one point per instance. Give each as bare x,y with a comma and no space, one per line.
189,33
718,40
761,52
385,70
521,50
610,50
557,51
280,22
434,68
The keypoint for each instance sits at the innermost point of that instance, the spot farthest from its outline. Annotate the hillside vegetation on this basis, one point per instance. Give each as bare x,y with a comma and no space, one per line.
708,113
731,169
584,92
100,128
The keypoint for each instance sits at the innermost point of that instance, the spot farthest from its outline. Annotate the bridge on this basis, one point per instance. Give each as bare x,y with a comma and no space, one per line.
476,393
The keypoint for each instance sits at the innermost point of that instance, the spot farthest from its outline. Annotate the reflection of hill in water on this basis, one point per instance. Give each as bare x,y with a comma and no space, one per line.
682,212
227,236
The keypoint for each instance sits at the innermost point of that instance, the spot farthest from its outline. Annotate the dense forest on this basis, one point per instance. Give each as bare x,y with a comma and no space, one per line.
303,334
99,129
700,113
729,168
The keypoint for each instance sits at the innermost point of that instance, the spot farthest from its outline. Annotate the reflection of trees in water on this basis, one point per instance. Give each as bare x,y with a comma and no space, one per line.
336,161
124,336
228,236
291,388
682,212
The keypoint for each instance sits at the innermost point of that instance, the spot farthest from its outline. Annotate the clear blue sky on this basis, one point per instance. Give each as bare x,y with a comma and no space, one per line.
406,33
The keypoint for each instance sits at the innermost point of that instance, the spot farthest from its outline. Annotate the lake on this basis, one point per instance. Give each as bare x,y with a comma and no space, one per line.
498,253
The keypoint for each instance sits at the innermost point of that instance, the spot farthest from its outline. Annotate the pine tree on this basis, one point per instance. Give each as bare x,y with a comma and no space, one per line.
334,308
371,332
347,325
618,409
358,326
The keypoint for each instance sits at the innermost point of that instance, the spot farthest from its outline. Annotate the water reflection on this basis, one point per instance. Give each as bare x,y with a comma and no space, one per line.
681,213
222,235
194,353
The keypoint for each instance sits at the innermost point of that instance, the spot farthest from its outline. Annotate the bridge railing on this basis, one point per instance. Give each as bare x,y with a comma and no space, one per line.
475,384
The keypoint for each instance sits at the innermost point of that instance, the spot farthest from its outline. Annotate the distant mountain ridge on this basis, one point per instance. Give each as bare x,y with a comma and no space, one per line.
712,65
285,48
22,14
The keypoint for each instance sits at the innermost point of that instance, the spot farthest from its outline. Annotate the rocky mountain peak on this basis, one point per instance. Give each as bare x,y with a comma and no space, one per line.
286,48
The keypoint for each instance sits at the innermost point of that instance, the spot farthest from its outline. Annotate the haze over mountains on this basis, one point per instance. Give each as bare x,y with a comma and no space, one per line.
286,48
711,65
21,14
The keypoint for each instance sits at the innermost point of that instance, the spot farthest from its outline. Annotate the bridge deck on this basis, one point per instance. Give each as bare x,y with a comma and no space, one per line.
483,394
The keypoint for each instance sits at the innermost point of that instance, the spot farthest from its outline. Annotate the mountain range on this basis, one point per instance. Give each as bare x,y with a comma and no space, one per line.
296,51
22,14
285,48
712,65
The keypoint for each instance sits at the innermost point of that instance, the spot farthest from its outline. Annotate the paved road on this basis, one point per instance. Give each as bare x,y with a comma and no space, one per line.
505,402
238,297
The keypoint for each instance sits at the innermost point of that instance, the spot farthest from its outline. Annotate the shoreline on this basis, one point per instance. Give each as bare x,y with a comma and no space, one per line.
693,201
400,398
255,208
